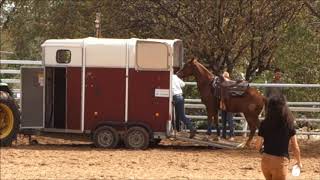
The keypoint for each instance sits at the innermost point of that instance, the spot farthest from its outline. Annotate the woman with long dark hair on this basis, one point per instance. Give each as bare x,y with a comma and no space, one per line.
275,133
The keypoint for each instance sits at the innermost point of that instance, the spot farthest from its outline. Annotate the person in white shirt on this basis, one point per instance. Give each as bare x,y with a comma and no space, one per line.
177,85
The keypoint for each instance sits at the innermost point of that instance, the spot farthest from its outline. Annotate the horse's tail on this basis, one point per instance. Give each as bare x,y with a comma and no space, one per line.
264,99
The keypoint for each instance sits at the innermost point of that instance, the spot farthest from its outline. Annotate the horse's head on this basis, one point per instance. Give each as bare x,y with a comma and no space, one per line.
187,69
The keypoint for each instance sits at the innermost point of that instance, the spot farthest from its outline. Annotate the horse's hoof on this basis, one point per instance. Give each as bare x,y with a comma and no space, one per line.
248,146
192,133
242,145
206,138
34,142
215,138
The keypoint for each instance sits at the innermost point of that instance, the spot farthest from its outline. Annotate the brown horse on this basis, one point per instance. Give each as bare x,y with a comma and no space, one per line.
250,104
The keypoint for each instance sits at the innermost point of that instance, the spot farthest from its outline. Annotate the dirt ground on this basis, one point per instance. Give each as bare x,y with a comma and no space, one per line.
60,159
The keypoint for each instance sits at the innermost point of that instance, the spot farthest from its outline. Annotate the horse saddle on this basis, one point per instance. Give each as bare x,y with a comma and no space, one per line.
233,88
227,89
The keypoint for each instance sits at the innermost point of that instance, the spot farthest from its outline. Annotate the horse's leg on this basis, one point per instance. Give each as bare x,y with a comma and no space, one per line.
209,120
211,113
253,122
216,122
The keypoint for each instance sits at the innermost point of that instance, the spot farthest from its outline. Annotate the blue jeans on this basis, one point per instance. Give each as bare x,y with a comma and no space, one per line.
227,117
180,114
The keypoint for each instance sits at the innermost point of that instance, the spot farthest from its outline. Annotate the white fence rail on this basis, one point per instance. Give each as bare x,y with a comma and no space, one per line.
21,62
289,103
313,107
15,71
301,109
274,85
302,106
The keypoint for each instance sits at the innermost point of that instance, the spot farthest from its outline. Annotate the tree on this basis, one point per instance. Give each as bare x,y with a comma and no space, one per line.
237,35
298,54
228,33
313,6
32,22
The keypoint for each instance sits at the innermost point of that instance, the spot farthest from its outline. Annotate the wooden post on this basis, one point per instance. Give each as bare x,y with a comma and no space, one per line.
98,25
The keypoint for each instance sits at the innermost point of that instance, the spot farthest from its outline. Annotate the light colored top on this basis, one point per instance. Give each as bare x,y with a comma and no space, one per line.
226,76
177,85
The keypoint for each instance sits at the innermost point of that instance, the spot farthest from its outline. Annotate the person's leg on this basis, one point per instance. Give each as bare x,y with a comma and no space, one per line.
230,123
224,123
179,101
176,112
266,164
280,169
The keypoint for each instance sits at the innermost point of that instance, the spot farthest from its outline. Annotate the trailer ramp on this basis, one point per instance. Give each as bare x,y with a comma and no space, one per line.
202,140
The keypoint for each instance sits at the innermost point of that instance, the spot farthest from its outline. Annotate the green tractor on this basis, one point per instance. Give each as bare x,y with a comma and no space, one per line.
9,116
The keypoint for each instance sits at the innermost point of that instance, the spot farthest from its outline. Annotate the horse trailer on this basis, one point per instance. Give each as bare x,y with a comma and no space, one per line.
106,89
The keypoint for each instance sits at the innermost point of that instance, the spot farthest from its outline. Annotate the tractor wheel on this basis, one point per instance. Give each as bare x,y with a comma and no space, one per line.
137,138
106,137
9,119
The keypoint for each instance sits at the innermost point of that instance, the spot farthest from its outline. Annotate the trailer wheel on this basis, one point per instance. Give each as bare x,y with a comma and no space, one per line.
137,138
106,137
9,119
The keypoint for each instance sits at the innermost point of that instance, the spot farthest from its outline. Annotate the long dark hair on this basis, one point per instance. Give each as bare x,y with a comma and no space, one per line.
278,113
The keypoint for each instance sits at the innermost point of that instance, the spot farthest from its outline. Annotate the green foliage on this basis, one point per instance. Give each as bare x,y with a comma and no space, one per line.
230,33
298,55
249,37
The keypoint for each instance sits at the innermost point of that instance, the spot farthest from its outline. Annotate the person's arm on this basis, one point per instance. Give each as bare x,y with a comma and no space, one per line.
259,143
182,84
296,150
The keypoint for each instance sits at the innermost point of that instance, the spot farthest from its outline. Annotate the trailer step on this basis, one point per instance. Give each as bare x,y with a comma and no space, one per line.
200,139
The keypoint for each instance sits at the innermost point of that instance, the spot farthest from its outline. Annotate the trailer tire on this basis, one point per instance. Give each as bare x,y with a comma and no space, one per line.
137,138
9,119
105,137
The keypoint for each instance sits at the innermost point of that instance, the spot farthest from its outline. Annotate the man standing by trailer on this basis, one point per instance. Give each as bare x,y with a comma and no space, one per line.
177,85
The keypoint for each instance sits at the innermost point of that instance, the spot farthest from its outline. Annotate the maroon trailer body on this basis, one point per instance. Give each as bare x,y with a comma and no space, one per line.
108,89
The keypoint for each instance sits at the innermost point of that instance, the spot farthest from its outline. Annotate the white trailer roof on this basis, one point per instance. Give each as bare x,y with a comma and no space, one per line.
103,52
82,42
63,43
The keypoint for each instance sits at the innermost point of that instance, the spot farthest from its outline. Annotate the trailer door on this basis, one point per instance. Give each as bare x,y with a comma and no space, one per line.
105,77
63,76
32,83
149,86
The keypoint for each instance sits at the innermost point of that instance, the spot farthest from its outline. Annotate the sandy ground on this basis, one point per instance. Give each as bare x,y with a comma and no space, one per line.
59,159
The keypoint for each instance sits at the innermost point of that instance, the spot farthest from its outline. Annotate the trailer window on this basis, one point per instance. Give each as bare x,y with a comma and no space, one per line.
63,56
152,56
178,54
